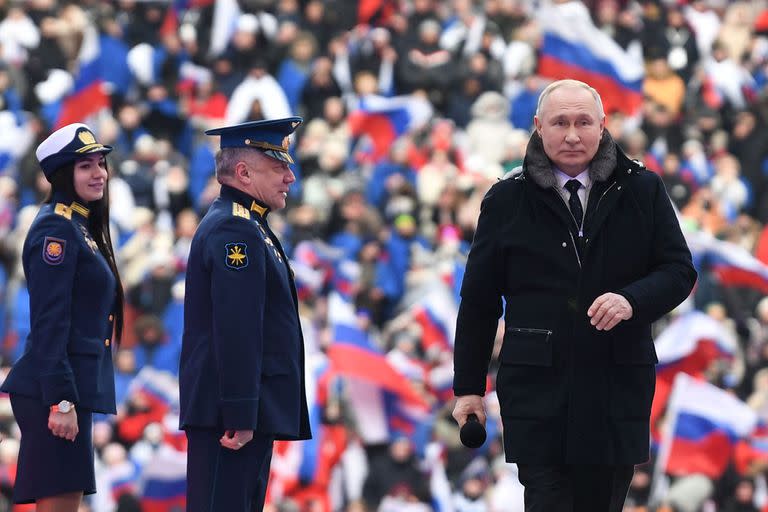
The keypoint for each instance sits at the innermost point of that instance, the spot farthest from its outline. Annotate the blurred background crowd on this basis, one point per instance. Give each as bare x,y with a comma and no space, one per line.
413,109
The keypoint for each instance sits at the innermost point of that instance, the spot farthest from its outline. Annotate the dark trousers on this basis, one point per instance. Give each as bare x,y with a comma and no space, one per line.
221,479
575,488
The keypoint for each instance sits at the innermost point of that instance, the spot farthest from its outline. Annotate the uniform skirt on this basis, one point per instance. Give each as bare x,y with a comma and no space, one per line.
50,465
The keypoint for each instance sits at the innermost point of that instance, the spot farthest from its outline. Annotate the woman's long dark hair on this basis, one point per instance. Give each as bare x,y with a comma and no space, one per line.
62,182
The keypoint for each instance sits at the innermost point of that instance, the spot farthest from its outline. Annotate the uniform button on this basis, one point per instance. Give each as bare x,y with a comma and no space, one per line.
619,187
111,317
565,244
106,342
586,240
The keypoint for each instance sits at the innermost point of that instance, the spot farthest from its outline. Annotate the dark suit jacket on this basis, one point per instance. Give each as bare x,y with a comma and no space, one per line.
570,393
242,359
68,354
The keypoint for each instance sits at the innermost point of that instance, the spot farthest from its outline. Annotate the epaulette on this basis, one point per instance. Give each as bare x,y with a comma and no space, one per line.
63,210
239,210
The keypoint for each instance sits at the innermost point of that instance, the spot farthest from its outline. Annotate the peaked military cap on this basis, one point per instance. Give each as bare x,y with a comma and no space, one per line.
270,136
66,145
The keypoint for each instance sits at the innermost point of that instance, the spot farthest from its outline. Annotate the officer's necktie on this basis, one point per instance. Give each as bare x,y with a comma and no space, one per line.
574,203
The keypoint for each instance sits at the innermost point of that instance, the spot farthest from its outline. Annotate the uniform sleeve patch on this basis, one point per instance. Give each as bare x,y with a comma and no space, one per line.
237,255
53,250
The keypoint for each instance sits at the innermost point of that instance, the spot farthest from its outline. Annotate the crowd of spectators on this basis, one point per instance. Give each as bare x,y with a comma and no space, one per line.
390,232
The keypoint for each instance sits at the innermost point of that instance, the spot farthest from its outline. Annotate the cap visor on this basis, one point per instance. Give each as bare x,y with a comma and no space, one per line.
98,148
279,155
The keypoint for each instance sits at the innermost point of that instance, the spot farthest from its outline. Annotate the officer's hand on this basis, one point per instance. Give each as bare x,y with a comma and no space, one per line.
63,425
236,439
466,405
608,310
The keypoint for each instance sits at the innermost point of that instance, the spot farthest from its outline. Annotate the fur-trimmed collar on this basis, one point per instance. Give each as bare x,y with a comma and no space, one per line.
539,167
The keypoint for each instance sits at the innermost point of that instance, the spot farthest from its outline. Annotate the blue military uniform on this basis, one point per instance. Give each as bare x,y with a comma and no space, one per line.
242,360
68,354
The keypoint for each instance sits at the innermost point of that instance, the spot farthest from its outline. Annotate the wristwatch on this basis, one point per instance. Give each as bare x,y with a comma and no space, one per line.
64,406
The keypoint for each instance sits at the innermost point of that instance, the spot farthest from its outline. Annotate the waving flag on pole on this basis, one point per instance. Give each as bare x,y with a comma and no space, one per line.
165,481
573,47
384,400
385,119
89,94
753,449
353,355
690,344
435,312
731,263
705,425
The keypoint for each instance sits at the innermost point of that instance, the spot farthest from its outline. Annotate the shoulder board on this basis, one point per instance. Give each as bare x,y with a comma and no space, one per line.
63,210
239,210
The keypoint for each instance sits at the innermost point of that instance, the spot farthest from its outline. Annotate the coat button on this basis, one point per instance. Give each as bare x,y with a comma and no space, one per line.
619,188
111,317
106,342
565,244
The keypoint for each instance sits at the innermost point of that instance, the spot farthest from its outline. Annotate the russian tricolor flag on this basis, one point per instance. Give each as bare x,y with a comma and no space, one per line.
436,314
691,343
752,450
165,481
353,355
573,47
384,119
732,264
89,94
705,425
123,478
160,386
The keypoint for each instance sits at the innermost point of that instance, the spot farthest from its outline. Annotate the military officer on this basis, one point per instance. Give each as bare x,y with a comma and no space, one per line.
242,360
76,301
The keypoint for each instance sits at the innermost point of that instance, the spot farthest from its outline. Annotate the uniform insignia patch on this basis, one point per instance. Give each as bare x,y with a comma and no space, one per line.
239,210
53,250
237,255
255,207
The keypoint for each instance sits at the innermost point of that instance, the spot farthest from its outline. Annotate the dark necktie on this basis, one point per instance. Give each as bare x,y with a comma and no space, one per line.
574,203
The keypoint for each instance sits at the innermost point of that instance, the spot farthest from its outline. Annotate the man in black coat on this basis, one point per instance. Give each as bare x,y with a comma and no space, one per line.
584,246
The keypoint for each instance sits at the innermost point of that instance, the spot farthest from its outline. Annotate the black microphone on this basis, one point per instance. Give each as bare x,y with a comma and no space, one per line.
472,434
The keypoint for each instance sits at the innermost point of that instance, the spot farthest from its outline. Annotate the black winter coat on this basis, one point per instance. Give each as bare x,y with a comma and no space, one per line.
568,392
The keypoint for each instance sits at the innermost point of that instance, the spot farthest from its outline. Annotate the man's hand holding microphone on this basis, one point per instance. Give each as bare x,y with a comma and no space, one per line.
469,413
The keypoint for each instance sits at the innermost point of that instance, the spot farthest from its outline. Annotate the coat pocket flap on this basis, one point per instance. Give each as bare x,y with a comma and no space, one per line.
527,346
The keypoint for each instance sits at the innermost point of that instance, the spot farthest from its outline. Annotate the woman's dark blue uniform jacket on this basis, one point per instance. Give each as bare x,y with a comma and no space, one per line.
68,354
242,359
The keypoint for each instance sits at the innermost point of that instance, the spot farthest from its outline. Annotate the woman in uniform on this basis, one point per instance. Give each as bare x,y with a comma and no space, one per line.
76,303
